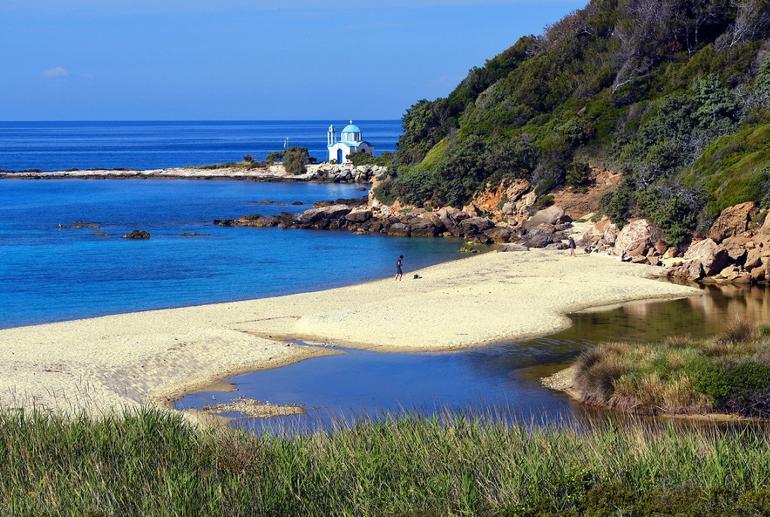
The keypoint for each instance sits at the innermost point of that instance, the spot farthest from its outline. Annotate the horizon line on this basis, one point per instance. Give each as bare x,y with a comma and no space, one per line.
206,120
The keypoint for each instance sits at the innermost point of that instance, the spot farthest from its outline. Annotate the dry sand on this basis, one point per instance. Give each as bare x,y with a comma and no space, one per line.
107,363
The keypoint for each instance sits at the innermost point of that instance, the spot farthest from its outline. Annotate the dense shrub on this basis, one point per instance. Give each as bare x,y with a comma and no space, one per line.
579,176
742,388
296,159
367,159
617,205
673,207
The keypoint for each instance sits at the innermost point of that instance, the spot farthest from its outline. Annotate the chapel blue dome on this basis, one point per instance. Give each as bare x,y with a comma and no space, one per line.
351,128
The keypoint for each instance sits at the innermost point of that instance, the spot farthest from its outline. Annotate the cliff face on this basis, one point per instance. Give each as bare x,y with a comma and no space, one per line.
673,94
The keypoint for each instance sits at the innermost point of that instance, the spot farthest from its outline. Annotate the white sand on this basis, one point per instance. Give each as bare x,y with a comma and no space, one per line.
148,358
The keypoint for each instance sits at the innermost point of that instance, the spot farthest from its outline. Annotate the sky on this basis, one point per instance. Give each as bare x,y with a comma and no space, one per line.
247,59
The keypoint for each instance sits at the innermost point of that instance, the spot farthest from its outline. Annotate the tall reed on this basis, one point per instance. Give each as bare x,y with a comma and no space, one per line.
151,462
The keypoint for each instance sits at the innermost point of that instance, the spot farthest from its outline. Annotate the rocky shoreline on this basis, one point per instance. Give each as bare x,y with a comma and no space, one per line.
525,226
736,249
327,173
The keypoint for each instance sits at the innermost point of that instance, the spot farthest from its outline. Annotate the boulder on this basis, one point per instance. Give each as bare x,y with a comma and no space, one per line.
635,236
709,255
398,230
506,248
691,270
671,252
735,248
475,225
660,246
420,227
327,212
551,215
537,240
732,221
500,234
137,235
258,221
753,259
611,234
359,215
765,229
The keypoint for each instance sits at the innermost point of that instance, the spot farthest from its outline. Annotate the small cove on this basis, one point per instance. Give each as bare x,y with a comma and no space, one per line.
501,380
50,273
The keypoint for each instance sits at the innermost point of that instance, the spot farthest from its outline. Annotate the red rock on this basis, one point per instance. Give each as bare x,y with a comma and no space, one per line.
753,259
709,255
732,221
635,235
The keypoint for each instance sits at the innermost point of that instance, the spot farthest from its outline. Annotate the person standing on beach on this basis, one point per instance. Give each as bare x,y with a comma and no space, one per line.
399,270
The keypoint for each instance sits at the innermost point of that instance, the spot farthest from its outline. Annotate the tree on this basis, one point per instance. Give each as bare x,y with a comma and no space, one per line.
295,160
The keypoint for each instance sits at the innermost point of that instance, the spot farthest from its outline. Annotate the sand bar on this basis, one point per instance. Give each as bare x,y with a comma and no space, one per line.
102,364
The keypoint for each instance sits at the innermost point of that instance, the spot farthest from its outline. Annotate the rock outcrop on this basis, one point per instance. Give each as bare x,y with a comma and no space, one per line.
737,249
544,228
137,235
732,221
344,173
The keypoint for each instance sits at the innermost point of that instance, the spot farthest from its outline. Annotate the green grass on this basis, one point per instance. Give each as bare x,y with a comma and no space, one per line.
435,155
731,168
726,374
151,462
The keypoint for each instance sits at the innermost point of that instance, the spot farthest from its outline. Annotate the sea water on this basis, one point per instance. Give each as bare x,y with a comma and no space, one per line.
48,273
57,146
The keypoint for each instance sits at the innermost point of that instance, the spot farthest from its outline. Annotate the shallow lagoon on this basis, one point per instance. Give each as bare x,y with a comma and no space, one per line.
501,380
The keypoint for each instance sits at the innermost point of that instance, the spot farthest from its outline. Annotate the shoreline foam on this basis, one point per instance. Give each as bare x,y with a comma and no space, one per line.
108,363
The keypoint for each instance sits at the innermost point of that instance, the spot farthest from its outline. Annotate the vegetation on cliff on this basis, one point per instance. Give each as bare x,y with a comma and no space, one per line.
674,93
154,463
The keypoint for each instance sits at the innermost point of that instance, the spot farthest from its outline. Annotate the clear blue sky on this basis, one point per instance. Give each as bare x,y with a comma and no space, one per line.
247,59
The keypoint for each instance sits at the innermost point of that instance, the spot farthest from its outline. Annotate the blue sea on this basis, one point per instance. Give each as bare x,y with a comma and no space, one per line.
55,146
52,274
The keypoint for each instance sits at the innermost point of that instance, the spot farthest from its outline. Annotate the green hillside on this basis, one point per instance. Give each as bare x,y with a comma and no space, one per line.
674,93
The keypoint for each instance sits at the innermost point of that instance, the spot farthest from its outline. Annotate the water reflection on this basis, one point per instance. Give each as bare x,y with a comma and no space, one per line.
500,380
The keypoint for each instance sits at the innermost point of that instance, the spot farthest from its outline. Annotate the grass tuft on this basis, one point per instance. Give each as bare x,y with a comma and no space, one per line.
730,373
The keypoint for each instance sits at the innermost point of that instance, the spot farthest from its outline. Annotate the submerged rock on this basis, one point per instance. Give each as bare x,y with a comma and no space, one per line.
137,235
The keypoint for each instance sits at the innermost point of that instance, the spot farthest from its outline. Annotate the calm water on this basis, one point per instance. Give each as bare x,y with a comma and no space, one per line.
54,146
501,379
47,274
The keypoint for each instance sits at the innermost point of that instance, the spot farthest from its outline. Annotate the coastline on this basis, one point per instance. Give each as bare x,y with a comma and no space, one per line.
274,173
108,363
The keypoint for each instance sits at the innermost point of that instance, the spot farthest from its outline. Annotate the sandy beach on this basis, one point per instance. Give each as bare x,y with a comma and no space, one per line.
108,363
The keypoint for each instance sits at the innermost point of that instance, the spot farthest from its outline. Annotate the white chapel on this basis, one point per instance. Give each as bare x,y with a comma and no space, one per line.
352,141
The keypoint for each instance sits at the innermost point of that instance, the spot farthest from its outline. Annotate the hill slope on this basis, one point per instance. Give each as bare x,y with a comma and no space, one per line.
673,93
